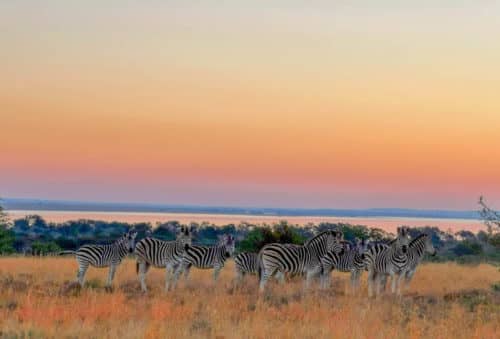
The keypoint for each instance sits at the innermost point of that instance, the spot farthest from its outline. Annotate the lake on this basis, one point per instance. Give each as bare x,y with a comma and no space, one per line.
386,223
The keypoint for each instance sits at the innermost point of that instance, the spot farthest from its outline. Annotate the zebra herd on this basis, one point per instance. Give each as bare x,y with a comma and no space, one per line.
316,258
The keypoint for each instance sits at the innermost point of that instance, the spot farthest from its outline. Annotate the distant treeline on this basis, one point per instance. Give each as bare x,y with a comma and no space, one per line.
32,235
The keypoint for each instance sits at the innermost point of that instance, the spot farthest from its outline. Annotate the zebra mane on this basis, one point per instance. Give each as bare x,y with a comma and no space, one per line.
417,239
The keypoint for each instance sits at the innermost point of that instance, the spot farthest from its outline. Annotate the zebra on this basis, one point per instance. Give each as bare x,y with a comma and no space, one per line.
161,254
206,257
347,260
296,259
103,256
416,250
245,262
388,260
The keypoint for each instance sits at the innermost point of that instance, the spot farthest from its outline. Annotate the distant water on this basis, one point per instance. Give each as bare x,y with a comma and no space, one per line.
386,223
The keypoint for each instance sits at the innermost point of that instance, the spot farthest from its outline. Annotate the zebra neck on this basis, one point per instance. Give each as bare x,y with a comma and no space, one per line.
121,249
221,252
417,250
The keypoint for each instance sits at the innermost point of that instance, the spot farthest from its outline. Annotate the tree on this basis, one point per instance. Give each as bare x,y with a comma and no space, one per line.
490,217
4,219
6,234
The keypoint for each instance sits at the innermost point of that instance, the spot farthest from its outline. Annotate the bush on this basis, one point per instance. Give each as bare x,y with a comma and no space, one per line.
467,248
43,248
7,239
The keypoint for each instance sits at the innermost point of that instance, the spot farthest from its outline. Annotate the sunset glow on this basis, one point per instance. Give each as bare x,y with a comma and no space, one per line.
337,106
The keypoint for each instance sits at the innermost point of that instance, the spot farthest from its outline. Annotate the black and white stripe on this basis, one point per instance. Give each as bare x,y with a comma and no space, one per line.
206,257
391,260
296,259
161,254
349,259
103,256
245,263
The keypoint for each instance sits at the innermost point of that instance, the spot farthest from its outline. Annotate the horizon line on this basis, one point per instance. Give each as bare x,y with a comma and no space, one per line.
39,204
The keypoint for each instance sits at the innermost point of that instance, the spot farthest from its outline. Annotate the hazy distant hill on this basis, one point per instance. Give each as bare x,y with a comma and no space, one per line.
62,205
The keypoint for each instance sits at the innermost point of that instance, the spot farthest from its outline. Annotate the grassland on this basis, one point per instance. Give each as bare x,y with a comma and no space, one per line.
444,301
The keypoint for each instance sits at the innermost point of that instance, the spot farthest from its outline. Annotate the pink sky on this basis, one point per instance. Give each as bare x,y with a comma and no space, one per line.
270,105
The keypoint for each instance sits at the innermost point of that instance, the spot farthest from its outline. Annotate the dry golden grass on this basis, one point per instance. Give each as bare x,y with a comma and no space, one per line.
444,301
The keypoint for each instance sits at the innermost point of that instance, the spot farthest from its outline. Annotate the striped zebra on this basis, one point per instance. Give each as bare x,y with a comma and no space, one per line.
103,256
416,250
245,263
388,260
350,259
161,254
296,259
206,257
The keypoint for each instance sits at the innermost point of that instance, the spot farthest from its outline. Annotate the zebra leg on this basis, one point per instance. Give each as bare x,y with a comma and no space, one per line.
239,275
354,279
378,283
325,280
280,276
216,272
263,280
168,269
310,275
142,275
175,278
371,280
80,275
394,281
186,271
111,275
399,282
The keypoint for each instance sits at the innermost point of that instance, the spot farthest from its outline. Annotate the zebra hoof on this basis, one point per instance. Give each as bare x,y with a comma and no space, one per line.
109,289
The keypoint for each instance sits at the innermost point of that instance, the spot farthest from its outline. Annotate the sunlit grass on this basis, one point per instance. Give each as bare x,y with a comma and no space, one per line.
443,301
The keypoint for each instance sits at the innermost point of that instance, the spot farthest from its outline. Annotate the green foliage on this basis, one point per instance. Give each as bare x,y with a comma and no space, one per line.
44,248
33,234
262,235
256,239
494,241
496,287
7,239
467,247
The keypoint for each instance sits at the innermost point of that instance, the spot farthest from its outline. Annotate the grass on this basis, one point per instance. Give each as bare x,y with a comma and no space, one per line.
37,299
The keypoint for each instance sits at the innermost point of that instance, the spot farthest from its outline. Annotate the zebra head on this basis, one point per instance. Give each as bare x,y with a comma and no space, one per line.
227,241
184,235
362,247
403,239
325,242
128,240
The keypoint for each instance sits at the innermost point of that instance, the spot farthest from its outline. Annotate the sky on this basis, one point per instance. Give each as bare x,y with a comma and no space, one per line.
315,104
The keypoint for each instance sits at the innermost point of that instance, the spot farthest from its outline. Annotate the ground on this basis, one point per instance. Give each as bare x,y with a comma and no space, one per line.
37,299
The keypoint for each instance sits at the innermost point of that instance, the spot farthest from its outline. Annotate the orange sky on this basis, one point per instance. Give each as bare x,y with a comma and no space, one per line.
332,106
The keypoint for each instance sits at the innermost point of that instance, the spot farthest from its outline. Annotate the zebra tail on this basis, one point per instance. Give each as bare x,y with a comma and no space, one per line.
66,252
259,265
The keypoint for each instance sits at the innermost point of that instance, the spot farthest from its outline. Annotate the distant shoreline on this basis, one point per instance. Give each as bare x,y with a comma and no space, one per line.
82,206
386,223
